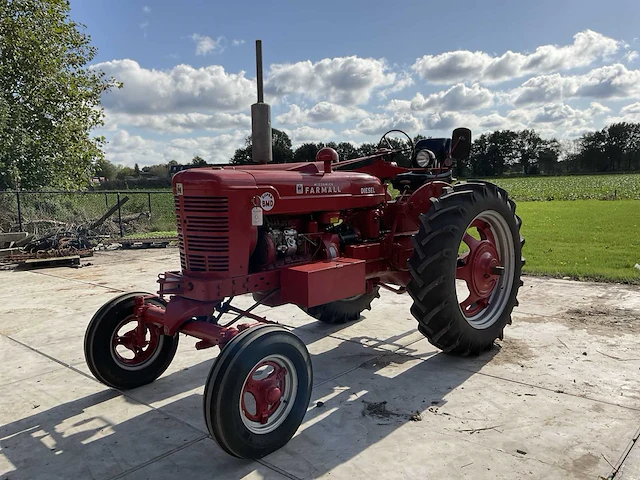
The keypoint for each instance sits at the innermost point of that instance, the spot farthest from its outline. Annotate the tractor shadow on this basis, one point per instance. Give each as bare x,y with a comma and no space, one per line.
366,394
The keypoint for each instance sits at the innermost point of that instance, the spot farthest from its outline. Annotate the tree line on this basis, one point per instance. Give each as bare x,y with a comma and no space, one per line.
615,148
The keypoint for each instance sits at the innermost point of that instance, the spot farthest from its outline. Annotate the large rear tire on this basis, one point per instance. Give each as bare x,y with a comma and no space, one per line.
111,347
258,391
342,311
464,299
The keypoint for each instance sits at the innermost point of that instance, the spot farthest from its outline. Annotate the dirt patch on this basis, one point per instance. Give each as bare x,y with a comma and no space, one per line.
586,462
595,320
513,351
603,320
379,410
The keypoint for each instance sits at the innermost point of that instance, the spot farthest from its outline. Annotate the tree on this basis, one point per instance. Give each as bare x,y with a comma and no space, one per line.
280,144
306,152
104,168
198,161
548,156
528,144
124,172
347,151
50,99
136,170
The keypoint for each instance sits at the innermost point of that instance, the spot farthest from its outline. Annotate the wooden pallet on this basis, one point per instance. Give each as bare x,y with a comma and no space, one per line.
51,262
158,242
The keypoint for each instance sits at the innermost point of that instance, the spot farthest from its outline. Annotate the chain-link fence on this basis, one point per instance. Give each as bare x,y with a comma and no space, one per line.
126,212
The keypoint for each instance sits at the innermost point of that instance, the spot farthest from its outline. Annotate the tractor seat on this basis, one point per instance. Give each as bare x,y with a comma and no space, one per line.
415,180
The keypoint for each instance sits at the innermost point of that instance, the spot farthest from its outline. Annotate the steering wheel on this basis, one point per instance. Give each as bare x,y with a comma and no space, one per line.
411,146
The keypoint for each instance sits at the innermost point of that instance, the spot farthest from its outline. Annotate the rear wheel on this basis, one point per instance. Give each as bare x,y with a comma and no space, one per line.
342,311
465,268
258,391
118,354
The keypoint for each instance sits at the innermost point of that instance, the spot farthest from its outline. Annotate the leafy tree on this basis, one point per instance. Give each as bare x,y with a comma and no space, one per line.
347,151
281,148
199,161
50,100
124,172
104,168
548,156
528,145
306,152
367,149
136,170
161,170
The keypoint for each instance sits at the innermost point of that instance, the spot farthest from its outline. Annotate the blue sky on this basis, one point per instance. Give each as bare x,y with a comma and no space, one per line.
349,70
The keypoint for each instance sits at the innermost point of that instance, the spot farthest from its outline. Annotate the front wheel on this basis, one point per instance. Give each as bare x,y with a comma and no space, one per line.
258,391
465,268
118,354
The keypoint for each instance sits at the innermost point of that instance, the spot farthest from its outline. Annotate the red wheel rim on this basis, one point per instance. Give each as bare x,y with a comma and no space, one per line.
268,394
481,268
133,348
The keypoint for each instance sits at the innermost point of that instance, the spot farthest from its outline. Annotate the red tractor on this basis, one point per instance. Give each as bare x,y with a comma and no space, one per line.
326,236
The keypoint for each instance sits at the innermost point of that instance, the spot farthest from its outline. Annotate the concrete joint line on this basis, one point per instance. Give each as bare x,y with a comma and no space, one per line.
623,457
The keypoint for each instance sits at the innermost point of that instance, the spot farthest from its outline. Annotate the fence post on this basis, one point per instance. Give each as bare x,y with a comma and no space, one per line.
149,195
106,201
120,215
19,210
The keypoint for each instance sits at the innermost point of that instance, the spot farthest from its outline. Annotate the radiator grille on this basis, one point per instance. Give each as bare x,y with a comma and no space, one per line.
203,233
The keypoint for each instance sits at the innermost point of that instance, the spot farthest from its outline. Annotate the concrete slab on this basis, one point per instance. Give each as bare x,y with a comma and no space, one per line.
467,421
592,360
62,425
203,460
484,409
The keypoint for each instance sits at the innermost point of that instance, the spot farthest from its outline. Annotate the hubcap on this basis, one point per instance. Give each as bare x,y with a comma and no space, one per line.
268,394
132,349
485,267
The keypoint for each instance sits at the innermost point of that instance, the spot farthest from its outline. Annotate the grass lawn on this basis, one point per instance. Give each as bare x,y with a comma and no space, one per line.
583,239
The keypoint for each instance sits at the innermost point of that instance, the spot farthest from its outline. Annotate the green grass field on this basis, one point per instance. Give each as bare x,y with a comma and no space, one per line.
584,239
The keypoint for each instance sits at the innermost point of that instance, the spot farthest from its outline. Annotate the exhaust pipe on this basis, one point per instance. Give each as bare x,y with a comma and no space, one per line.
261,148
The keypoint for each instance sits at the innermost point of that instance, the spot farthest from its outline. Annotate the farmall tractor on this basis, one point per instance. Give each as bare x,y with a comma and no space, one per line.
323,235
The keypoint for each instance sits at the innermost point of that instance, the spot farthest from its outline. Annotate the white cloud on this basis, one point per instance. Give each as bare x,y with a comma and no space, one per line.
144,25
464,65
146,9
236,42
405,81
457,98
178,122
628,113
343,80
206,45
126,149
631,56
609,82
377,124
306,133
181,89
321,112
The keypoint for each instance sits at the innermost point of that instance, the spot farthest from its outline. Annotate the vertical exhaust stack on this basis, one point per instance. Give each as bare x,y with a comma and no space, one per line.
261,149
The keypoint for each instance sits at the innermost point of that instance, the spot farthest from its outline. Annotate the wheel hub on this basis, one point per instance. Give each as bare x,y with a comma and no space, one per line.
265,384
484,261
480,268
137,346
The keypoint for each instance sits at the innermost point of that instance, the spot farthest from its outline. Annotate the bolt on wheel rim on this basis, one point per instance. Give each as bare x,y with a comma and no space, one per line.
268,394
126,348
485,267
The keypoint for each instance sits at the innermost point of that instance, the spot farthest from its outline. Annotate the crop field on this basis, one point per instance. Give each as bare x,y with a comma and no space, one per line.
582,187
